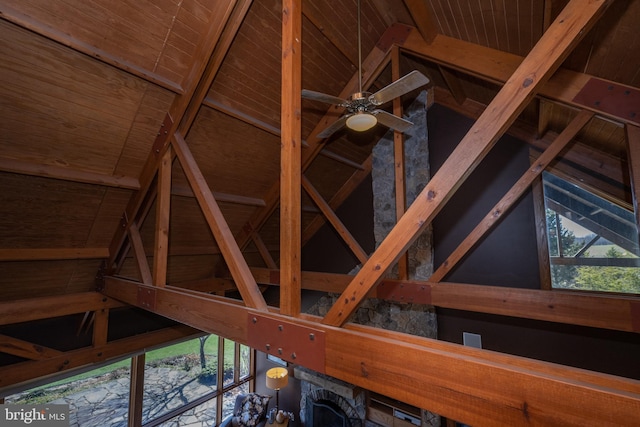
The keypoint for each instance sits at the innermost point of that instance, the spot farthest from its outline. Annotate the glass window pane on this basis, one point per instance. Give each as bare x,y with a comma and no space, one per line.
200,416
245,361
178,374
229,361
96,398
229,399
593,243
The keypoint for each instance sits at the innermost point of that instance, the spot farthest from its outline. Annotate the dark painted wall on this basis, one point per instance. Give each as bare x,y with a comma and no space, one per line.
506,257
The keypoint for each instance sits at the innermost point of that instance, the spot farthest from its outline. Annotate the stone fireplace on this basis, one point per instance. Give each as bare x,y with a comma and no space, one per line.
415,319
329,402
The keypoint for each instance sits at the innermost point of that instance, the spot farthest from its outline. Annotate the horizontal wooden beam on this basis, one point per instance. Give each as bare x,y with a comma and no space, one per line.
52,254
326,282
19,374
473,386
579,154
105,57
67,174
26,310
613,312
597,262
180,190
127,182
497,66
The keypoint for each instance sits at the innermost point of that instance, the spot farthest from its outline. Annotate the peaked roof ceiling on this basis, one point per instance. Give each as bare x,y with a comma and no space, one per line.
93,91
87,86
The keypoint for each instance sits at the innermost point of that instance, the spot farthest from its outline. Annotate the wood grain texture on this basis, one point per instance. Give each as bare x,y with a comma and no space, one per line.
501,113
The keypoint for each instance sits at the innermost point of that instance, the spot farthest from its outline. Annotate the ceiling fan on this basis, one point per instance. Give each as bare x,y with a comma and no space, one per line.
362,112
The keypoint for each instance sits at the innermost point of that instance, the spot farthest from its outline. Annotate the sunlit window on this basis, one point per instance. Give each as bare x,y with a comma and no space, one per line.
185,384
96,398
593,243
179,374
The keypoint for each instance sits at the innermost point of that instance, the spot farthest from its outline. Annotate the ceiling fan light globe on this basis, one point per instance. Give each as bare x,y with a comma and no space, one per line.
361,122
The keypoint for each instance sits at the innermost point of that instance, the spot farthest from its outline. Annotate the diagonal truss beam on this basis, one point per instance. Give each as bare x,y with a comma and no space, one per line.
25,349
546,56
513,195
224,21
212,213
333,219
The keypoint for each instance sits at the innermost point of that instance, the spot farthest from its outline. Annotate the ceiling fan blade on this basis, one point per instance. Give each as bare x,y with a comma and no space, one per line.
322,97
333,127
405,84
391,121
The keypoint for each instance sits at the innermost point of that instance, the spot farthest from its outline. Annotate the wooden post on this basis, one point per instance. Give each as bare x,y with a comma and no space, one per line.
399,164
136,390
163,211
291,160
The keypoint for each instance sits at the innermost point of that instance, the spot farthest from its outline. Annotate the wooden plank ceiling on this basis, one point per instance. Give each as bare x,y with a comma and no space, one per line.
99,98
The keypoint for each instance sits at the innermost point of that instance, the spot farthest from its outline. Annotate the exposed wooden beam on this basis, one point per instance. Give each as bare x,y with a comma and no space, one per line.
67,174
127,182
614,312
18,373
539,212
244,117
335,222
25,349
341,195
139,255
496,66
184,191
291,158
372,66
580,154
453,83
26,310
325,282
336,37
224,20
338,158
512,196
422,16
163,213
52,254
263,250
521,87
100,327
398,162
633,154
105,57
470,385
544,114
218,226
596,262
136,390
213,285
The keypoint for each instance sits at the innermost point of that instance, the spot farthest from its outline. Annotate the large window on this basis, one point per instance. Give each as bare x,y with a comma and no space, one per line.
96,398
593,243
183,384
